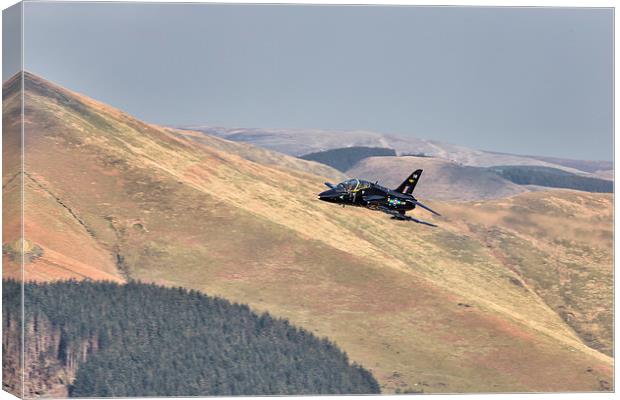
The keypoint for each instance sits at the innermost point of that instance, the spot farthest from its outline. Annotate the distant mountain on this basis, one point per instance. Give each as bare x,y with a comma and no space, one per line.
166,342
298,142
344,158
605,174
511,294
552,177
582,165
444,180
441,179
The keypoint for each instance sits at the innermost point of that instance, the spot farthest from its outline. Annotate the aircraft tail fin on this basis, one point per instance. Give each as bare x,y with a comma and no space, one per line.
409,184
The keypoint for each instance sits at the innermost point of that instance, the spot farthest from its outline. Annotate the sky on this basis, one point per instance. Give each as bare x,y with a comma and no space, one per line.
519,80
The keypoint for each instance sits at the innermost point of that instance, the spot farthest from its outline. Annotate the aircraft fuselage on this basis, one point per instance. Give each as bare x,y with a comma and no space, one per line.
359,193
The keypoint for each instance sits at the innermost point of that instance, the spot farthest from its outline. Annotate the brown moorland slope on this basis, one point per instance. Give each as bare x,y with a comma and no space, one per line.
261,155
560,245
461,308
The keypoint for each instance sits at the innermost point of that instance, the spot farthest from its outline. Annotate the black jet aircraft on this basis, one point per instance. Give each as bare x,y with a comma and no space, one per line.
359,193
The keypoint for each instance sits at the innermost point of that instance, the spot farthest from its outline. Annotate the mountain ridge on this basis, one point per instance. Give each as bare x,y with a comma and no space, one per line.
298,142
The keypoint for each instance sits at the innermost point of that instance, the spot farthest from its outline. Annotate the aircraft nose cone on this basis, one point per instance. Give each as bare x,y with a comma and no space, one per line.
329,195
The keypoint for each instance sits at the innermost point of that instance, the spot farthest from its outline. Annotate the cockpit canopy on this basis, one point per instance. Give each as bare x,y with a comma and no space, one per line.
353,185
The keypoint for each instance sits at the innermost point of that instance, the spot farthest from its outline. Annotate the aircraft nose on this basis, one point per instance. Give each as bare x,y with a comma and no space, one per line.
329,195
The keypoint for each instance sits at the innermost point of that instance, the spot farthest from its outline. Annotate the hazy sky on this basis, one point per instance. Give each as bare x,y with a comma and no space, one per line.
520,80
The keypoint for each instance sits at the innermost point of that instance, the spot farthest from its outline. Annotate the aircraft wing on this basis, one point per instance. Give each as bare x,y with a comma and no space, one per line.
403,217
426,208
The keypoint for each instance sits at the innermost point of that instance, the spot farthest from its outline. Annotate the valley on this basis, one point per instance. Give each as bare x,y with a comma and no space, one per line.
508,294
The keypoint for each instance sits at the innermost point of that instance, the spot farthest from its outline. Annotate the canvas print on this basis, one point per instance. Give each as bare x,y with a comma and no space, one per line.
233,199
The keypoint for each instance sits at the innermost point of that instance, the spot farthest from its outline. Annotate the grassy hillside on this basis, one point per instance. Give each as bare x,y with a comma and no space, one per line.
552,177
560,248
344,158
263,156
145,340
433,310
